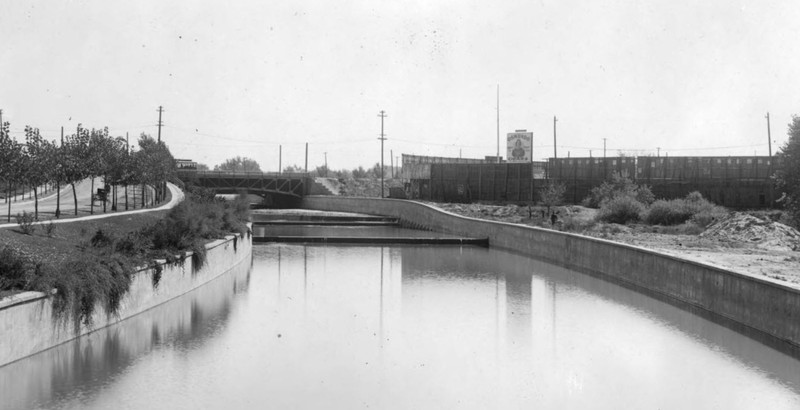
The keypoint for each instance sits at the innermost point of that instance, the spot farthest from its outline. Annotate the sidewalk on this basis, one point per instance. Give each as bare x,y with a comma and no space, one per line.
176,193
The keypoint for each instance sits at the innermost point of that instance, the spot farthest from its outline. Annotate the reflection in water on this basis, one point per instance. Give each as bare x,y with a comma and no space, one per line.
73,373
409,327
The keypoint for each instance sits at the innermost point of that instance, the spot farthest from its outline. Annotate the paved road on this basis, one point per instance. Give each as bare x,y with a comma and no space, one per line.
47,205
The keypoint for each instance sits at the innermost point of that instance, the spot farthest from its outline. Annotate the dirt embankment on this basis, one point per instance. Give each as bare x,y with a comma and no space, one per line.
743,243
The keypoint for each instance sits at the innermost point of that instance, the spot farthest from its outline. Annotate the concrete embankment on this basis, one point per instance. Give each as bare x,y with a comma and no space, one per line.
768,307
28,325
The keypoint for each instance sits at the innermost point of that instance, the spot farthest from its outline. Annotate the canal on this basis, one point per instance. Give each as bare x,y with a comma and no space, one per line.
404,326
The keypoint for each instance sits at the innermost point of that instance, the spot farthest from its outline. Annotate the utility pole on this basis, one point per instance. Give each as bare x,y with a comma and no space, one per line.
326,164
160,110
306,158
280,158
391,161
555,151
769,137
382,138
498,123
127,153
658,152
604,147
58,182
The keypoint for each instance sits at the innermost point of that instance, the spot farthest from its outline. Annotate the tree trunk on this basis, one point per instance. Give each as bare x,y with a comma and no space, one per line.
91,202
8,184
74,197
35,204
58,199
144,195
126,196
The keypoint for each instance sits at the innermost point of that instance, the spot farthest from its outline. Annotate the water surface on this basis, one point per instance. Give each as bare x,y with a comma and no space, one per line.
407,327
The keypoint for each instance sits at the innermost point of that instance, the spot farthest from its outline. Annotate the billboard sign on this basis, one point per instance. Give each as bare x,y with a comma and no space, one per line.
520,147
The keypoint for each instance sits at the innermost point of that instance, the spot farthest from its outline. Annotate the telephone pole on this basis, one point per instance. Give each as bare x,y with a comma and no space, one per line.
769,137
58,183
326,164
382,138
604,147
306,158
498,123
555,151
160,110
280,158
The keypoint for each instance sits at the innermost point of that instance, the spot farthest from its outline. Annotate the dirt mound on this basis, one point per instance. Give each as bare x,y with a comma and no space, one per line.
764,233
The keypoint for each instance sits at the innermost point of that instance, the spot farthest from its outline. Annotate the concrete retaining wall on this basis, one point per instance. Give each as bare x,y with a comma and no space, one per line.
763,305
27,325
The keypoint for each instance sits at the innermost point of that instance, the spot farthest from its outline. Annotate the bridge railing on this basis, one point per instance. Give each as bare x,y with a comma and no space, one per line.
228,174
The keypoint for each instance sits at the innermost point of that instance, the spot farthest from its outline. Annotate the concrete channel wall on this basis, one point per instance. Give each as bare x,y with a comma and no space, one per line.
759,304
28,326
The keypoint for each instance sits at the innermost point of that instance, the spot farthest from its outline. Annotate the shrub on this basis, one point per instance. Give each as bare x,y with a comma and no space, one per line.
25,222
664,212
645,195
14,269
618,186
692,208
50,229
552,194
620,210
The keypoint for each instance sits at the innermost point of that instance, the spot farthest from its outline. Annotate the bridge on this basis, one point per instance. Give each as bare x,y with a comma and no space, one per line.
277,189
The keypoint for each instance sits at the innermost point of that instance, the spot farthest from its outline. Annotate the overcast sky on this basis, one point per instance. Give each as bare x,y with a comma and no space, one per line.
242,77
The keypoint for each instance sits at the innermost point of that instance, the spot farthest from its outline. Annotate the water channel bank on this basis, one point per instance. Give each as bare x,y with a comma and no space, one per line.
27,321
770,308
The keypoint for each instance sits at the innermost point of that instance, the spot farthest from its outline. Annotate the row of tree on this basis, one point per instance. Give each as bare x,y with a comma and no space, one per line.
88,153
245,164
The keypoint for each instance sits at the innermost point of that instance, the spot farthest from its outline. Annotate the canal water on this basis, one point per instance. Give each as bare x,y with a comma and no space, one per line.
406,327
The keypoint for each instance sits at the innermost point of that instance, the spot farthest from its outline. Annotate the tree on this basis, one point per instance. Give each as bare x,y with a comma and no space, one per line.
202,167
320,171
155,164
787,174
39,163
359,172
553,194
10,161
239,164
376,171
293,169
73,164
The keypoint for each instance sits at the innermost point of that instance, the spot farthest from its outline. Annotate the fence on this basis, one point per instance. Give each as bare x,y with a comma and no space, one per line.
739,182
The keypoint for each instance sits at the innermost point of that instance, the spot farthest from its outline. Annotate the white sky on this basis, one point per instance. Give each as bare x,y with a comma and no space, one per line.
241,77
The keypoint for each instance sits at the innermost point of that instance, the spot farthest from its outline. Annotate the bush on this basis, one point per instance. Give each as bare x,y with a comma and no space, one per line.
692,208
618,186
86,280
664,212
14,269
620,210
50,229
25,222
